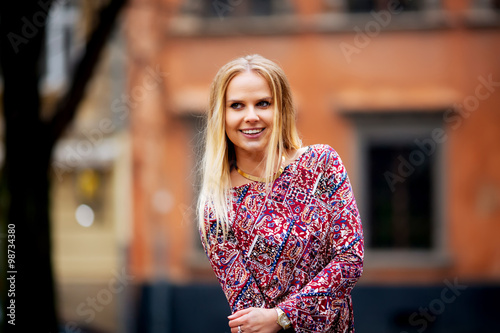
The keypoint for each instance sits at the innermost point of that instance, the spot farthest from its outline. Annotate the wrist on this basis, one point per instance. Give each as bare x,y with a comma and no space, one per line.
283,321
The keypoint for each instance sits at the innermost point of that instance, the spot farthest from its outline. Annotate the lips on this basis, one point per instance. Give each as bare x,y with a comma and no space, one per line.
252,131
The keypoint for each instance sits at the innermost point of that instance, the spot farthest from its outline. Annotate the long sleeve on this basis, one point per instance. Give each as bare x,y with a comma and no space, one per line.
324,303
299,247
229,266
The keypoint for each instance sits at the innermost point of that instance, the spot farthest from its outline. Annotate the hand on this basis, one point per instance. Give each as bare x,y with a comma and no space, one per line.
254,320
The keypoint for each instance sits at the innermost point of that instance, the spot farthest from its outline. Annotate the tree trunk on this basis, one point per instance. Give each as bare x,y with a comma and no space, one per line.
28,297
30,293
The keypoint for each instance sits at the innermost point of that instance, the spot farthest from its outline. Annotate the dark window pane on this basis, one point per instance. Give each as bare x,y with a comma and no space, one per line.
365,6
225,8
400,195
261,7
408,5
220,8
361,6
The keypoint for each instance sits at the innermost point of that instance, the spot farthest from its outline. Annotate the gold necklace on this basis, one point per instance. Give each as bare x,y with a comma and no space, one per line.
260,179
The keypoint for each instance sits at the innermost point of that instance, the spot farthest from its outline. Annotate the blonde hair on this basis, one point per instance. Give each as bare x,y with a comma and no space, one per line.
219,150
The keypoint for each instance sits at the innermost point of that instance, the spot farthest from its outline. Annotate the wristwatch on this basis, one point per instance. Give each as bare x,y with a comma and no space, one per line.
283,320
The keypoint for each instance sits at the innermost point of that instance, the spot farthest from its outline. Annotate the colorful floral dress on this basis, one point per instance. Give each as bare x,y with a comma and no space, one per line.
299,247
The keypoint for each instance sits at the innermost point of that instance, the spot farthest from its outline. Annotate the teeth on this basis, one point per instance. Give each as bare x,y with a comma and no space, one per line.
254,131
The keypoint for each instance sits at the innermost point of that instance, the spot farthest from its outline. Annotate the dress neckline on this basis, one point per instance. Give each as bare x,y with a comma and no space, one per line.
285,169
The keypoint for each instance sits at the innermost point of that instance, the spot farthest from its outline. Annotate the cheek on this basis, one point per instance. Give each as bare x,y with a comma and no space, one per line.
228,126
231,121
230,137
270,118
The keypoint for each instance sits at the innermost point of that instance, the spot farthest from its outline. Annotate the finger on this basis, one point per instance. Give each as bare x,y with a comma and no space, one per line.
236,322
239,313
234,329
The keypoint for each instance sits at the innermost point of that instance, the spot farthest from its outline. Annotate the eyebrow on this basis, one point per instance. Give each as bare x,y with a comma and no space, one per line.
239,100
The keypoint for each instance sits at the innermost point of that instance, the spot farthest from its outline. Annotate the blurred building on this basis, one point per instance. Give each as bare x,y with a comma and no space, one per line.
406,91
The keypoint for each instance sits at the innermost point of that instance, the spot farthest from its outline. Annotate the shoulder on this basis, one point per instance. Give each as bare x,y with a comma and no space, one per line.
322,149
327,161
325,154
321,158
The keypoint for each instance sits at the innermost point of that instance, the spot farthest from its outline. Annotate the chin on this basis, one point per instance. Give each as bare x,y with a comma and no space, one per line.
255,149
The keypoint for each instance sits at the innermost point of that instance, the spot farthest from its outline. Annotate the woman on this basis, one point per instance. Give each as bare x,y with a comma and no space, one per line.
278,221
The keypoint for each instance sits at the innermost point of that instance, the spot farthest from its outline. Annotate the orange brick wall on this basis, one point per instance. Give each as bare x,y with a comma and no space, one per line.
397,70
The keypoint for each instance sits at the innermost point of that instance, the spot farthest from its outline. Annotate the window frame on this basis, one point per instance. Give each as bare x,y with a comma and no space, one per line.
337,18
482,14
387,127
193,21
334,17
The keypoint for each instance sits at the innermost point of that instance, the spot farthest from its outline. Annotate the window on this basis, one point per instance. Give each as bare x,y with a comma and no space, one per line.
366,6
400,186
233,17
400,207
234,8
483,14
486,4
64,42
387,15
223,8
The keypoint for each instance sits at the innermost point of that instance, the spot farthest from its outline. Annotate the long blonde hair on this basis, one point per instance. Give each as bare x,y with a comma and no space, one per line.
219,150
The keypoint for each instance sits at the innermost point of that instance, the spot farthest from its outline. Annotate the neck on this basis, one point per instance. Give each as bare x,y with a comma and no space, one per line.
254,164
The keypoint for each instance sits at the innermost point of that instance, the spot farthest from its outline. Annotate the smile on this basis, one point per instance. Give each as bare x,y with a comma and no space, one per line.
252,131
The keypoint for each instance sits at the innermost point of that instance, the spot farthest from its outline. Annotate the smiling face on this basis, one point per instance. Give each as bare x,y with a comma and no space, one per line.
249,114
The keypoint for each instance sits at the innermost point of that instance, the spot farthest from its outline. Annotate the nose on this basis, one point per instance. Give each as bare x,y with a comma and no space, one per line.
251,115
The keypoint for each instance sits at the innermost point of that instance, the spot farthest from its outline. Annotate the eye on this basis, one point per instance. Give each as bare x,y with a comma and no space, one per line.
264,104
236,106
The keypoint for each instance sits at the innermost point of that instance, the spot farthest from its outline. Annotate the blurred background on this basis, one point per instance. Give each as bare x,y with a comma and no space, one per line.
407,92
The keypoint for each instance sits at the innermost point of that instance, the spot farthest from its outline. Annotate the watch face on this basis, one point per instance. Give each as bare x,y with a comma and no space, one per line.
284,321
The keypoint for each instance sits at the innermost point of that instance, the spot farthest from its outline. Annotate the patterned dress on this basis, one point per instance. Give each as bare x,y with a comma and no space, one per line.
299,247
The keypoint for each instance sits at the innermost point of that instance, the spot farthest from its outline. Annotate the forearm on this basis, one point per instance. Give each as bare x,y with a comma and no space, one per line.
237,282
327,296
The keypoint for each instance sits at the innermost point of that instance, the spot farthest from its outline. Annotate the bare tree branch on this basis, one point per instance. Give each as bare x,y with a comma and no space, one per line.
67,107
